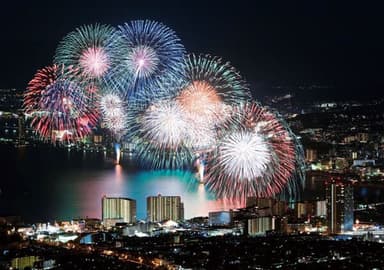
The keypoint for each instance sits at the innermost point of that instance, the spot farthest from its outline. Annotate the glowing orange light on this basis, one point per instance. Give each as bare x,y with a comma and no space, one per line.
200,99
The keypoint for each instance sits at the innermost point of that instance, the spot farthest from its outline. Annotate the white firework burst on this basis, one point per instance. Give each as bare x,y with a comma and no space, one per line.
245,155
164,125
201,137
111,104
112,108
256,156
116,123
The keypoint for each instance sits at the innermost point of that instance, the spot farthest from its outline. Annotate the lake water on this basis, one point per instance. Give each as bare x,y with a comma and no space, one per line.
43,184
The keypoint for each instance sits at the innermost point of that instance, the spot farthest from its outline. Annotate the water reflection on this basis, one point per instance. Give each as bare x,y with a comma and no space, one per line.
48,184
198,201
119,173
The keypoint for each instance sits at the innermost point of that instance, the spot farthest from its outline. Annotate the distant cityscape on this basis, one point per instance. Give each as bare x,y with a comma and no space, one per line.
344,151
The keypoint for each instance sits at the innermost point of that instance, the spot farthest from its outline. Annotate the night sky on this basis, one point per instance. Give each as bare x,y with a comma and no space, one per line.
279,43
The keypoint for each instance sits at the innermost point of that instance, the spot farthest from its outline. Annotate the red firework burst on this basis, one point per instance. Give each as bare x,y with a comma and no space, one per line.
256,155
59,109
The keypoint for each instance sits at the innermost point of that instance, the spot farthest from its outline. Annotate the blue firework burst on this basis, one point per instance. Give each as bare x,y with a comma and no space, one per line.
147,52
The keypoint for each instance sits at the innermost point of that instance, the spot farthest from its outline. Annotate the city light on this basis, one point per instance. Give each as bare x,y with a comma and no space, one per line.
254,142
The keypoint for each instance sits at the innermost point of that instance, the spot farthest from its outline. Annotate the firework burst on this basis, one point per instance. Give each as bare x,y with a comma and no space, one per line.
160,133
43,79
88,50
58,108
181,108
164,125
256,156
210,81
200,101
147,51
207,93
113,113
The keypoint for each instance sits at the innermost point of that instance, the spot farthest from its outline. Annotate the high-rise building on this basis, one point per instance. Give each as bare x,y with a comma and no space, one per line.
9,127
160,208
11,100
348,208
219,218
321,208
310,155
339,206
271,205
259,202
300,209
24,262
115,209
304,209
21,129
97,139
260,225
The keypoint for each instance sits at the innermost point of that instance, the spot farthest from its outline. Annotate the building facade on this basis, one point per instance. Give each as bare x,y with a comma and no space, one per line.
270,205
321,208
340,206
116,209
310,155
304,209
160,208
260,225
219,218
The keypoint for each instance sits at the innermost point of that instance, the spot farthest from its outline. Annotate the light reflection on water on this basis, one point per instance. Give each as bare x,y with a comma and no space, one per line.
87,193
42,184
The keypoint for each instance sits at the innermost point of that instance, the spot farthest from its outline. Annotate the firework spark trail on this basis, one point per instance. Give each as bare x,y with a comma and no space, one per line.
200,101
88,50
57,106
256,156
142,62
209,88
111,104
148,51
43,79
160,134
217,79
245,155
113,113
176,108
94,62
165,125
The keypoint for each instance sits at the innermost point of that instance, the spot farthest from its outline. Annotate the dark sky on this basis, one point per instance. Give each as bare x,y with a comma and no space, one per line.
282,42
